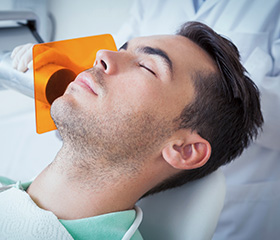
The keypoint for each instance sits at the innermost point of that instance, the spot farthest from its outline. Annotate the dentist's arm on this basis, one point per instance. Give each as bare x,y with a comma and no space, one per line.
265,72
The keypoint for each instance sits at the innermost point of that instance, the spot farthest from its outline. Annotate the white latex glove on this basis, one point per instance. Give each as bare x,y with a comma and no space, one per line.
22,57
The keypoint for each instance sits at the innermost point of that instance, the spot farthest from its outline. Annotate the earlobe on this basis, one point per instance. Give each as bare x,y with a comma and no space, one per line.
192,152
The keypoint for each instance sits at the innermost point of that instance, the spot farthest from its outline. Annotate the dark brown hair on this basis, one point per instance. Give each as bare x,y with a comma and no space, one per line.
226,109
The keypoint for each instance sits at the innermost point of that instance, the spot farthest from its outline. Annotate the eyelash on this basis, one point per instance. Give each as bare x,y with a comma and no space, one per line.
148,69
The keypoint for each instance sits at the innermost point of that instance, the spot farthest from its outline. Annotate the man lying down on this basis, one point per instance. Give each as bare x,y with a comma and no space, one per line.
158,113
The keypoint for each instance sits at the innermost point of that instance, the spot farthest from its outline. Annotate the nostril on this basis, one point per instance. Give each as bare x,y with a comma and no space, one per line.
104,64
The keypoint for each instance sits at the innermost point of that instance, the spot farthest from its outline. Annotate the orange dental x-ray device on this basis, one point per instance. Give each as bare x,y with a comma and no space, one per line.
58,63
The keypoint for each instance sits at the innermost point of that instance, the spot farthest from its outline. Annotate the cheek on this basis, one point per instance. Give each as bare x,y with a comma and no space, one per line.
134,92
137,98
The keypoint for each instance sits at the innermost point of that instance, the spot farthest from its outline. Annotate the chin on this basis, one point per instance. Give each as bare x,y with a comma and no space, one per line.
57,111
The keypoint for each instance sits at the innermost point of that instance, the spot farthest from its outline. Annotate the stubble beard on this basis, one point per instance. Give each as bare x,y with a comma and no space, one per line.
120,140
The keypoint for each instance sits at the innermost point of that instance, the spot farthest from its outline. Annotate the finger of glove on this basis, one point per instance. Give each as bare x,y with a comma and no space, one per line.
17,55
14,55
30,65
22,55
26,58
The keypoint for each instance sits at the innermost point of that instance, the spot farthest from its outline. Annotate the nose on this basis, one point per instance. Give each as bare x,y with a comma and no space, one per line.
107,61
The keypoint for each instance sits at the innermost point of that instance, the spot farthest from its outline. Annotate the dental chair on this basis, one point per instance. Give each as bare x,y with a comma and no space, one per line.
188,212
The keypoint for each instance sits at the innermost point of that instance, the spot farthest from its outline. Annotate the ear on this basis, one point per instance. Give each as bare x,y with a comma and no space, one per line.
186,150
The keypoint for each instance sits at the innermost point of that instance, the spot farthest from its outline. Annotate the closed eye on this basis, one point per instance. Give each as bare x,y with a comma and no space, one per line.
148,69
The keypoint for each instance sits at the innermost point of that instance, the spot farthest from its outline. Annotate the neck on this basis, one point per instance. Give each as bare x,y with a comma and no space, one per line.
72,190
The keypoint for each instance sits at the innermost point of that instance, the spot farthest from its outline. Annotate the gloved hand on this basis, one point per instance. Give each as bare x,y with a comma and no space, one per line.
22,57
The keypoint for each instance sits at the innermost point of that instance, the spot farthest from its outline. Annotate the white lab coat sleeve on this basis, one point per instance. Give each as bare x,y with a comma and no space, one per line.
264,69
130,29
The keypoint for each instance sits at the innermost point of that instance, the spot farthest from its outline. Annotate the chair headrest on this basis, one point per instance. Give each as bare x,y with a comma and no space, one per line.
188,212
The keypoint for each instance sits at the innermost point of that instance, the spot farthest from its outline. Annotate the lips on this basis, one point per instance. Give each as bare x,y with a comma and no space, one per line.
85,80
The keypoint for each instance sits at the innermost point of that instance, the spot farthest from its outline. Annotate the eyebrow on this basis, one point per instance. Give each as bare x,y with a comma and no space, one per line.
153,51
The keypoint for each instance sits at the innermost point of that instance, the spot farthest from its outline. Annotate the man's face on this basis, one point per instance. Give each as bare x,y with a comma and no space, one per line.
124,107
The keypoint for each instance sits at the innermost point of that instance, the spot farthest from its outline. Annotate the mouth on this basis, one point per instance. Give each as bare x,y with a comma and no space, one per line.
86,81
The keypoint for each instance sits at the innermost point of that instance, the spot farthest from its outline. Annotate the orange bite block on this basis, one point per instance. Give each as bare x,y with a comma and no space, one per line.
58,63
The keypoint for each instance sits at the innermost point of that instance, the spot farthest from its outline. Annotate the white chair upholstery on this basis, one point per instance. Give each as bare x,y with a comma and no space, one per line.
188,212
